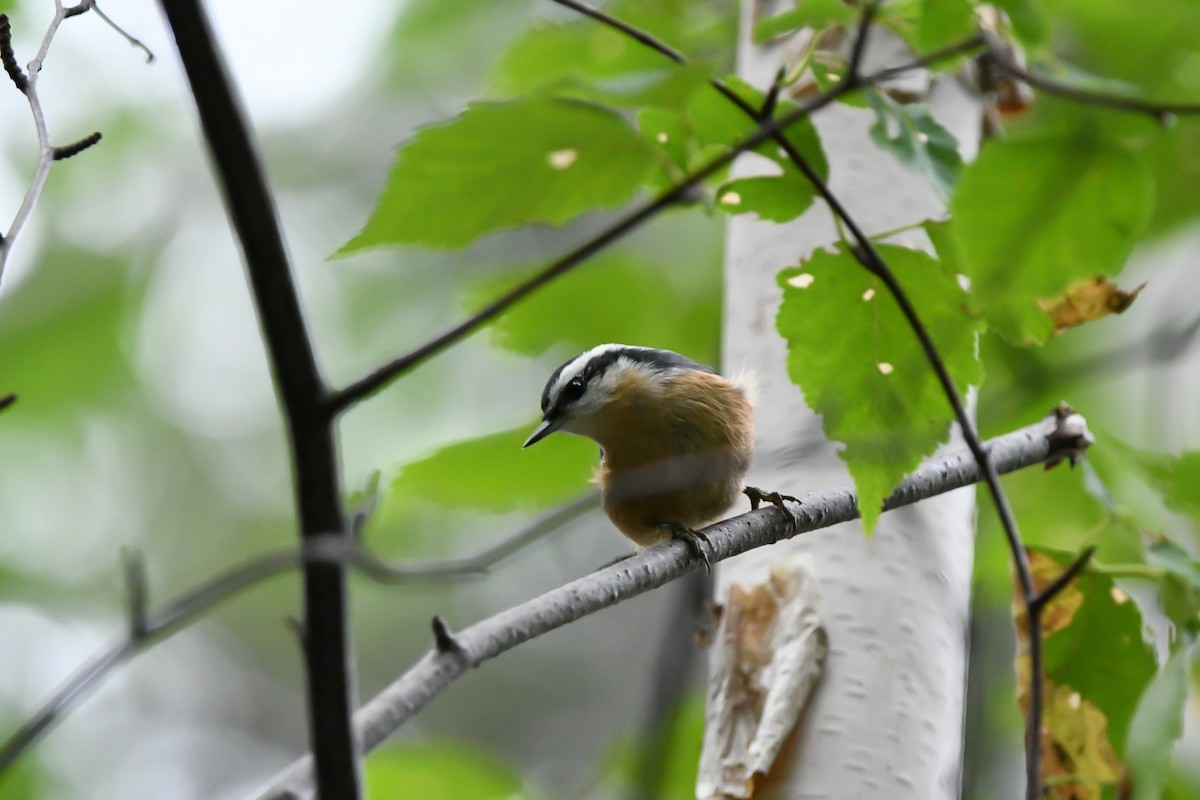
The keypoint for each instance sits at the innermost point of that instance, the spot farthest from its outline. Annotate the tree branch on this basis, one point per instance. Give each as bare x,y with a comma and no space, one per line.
1162,112
369,384
646,570
147,628
27,84
327,648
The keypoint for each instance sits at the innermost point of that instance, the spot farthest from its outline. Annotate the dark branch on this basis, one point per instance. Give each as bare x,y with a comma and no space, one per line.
9,58
1160,111
646,570
860,41
7,400
327,648
381,377
1063,580
75,148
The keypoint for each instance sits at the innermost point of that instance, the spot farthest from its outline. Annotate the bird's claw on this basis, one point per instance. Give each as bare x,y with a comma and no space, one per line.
692,538
757,496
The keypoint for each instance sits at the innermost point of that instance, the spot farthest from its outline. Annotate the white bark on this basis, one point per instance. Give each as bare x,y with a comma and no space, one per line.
885,720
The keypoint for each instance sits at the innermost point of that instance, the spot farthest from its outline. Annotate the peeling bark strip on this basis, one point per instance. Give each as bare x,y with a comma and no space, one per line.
649,569
769,652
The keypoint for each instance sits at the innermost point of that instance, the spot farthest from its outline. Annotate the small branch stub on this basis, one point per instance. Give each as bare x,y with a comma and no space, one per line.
9,58
75,148
7,400
444,639
134,567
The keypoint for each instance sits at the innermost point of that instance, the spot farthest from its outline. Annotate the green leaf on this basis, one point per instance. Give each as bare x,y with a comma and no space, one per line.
439,772
944,22
615,298
717,121
860,366
914,137
778,198
501,165
1101,653
1156,726
493,473
1034,216
807,14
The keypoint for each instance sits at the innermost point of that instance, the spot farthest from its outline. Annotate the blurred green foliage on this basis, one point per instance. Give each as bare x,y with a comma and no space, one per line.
576,120
440,771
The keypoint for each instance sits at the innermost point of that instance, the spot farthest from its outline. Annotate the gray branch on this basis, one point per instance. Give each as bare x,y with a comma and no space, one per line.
649,569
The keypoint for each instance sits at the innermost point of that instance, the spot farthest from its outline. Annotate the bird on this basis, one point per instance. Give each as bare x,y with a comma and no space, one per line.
676,438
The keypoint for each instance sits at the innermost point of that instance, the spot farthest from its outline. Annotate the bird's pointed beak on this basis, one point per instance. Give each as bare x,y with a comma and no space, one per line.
547,427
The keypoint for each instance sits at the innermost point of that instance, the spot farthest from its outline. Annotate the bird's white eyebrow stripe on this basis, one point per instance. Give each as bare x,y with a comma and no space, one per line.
575,367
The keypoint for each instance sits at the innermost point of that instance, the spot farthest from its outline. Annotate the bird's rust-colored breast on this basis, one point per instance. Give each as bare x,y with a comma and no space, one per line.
675,450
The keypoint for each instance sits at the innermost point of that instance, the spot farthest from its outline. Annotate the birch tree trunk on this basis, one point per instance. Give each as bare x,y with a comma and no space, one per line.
885,719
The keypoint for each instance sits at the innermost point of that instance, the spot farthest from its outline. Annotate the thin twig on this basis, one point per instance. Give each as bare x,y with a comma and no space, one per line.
1160,111
152,627
327,647
1064,579
124,34
366,386
7,400
649,569
481,562
155,627
27,83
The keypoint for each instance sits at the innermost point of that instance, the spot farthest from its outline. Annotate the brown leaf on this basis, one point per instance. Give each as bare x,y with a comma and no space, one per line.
1087,301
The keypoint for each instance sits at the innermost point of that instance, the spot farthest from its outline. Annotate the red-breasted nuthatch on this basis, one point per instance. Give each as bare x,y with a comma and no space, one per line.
675,438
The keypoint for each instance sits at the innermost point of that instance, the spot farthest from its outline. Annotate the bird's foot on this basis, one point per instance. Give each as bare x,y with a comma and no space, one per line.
757,496
692,538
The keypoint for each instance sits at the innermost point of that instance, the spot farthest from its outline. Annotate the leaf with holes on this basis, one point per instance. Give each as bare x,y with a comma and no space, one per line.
501,165
1034,216
912,135
778,198
860,364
